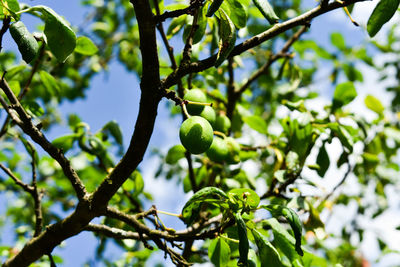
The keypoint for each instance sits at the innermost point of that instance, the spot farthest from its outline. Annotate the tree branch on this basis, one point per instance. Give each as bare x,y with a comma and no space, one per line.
26,87
303,19
179,12
24,186
272,59
150,97
30,129
3,30
171,94
230,90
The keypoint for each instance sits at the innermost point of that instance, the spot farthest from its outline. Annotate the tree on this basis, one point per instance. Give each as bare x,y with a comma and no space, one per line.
222,41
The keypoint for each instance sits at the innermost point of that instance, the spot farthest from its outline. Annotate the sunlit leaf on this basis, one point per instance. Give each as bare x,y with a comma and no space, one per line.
219,252
382,13
85,46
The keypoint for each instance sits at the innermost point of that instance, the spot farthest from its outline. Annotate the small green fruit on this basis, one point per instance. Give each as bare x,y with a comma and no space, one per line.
218,150
222,124
233,151
208,113
195,95
27,44
196,134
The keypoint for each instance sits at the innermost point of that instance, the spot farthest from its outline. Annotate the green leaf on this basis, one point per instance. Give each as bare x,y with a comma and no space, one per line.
200,30
9,7
15,71
374,104
219,252
134,184
174,154
15,86
29,147
49,82
85,46
343,95
382,13
266,10
27,44
33,108
292,218
256,123
65,142
322,161
283,240
176,26
338,41
236,12
208,194
113,128
314,221
269,256
60,37
247,196
352,73
243,240
227,37
214,7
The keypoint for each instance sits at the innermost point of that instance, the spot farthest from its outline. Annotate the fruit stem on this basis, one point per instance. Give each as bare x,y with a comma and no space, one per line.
220,134
348,13
230,239
169,213
185,112
199,103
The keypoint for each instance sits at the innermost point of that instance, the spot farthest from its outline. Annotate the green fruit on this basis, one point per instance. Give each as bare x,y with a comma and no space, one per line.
218,150
27,44
233,151
196,134
195,95
222,124
208,113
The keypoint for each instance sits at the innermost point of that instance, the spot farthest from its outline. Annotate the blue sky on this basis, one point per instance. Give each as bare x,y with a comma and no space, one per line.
115,96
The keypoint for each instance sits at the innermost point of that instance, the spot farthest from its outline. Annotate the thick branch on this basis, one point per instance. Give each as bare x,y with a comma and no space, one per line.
303,19
85,212
52,237
150,87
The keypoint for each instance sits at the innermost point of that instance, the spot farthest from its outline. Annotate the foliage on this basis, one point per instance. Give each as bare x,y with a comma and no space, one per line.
268,120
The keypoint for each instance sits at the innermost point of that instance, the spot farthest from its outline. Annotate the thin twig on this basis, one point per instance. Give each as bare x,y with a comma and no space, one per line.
26,124
179,12
230,90
282,53
187,50
37,195
24,186
171,94
26,87
52,262
344,178
33,71
303,19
